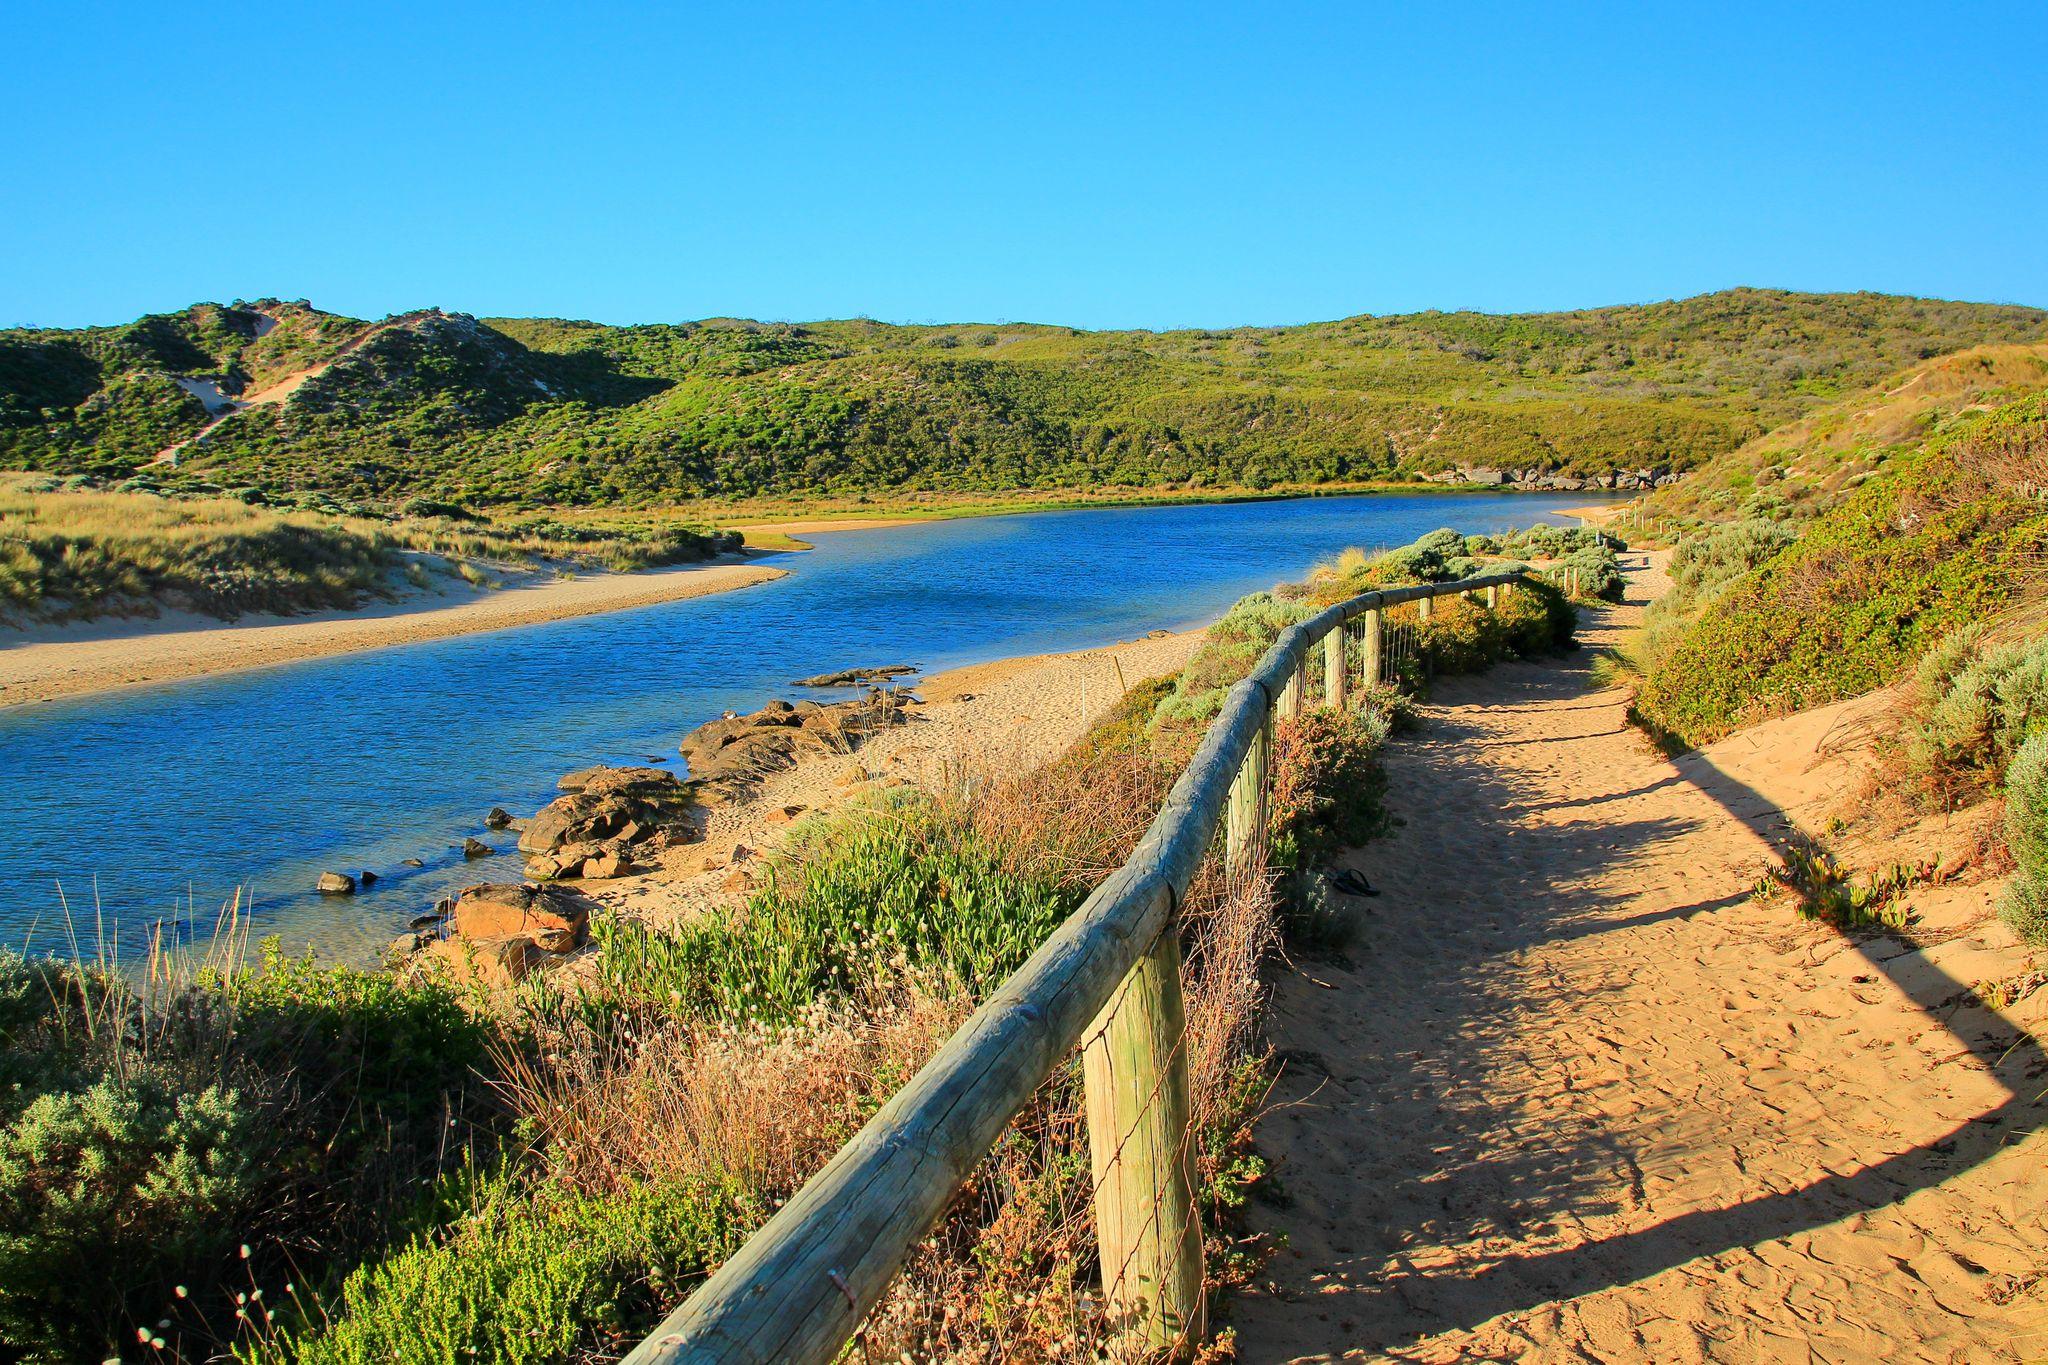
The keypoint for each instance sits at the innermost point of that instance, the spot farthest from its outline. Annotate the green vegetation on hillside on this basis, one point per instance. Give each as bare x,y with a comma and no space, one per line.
537,412
1800,470
1899,537
1772,618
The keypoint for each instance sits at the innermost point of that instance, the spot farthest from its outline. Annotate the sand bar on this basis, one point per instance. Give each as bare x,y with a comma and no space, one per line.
41,663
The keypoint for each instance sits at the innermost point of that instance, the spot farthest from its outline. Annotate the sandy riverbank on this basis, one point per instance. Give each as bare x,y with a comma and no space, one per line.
1007,715
41,663
1592,516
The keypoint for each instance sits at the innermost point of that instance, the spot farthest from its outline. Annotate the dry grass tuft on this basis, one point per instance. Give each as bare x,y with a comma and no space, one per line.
663,1099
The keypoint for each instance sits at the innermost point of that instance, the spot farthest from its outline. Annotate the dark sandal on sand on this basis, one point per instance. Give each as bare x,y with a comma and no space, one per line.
1353,883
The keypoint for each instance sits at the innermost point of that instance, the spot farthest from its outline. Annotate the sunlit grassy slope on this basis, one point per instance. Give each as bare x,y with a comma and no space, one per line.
537,412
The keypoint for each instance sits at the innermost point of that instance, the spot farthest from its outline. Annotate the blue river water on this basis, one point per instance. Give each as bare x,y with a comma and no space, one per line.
162,805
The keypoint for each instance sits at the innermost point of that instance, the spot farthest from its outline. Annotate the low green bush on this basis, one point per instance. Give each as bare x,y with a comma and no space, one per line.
1937,539
1464,636
1229,652
1973,707
1704,564
883,886
1328,791
107,1188
526,1277
142,1141
2025,907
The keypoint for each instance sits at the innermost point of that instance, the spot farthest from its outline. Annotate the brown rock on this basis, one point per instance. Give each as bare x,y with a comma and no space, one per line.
496,963
498,818
555,918
608,803
335,884
650,782
476,848
730,756
608,864
782,815
739,879
852,676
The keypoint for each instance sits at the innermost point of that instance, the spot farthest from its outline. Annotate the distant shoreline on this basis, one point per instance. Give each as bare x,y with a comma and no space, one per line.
772,529
50,662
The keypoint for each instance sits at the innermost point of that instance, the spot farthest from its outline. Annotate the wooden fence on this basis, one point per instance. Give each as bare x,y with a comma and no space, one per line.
798,1290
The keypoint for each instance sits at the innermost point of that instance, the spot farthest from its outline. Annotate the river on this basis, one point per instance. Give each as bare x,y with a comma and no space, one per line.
161,805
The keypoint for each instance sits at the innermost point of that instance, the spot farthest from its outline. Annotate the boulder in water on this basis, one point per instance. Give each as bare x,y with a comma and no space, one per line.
335,884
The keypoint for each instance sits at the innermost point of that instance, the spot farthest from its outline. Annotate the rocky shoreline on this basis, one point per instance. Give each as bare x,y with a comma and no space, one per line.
1550,481
613,822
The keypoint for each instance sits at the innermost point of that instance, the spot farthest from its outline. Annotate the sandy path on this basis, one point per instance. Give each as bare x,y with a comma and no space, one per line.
45,662
1574,1097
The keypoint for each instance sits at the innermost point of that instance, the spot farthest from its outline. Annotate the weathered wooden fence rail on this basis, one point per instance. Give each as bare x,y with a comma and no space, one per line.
800,1287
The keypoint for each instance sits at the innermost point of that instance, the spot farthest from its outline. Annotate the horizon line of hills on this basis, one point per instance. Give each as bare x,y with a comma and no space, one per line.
525,413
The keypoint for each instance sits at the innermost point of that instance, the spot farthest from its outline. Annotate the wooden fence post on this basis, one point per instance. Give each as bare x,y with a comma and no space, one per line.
1492,596
1424,609
1373,629
1334,678
1135,1068
1244,819
1291,696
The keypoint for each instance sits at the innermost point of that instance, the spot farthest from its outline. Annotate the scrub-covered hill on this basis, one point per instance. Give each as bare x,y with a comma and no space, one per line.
528,413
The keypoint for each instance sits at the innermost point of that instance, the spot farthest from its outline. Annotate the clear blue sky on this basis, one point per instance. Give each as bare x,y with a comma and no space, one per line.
1095,164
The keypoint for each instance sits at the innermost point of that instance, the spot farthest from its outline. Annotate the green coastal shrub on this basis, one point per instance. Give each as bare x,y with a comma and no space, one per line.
1329,792
892,885
1464,636
1230,651
2025,907
1973,706
291,1107
525,1278
1544,541
1704,564
1597,570
1937,539
106,1189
